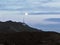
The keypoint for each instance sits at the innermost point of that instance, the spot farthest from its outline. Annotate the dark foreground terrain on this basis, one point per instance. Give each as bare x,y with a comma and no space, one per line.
17,33
30,38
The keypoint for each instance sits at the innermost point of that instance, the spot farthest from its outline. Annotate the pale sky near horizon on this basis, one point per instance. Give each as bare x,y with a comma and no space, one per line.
43,14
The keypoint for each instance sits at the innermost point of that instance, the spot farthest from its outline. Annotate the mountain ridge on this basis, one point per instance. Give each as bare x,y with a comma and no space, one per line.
10,26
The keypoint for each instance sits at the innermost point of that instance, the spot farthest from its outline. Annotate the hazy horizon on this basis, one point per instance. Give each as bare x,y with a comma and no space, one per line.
44,22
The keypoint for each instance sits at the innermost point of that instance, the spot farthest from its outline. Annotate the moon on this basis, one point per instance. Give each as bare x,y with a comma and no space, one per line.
26,13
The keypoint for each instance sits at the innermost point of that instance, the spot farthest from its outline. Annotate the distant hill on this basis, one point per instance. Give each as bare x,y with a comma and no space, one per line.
10,26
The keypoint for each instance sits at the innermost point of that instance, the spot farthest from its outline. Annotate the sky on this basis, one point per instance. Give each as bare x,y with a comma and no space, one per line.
42,14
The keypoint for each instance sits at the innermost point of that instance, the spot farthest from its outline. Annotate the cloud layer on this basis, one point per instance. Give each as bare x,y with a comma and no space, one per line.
31,5
53,19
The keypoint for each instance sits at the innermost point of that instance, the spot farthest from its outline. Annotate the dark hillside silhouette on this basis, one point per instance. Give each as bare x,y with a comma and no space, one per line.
10,26
15,33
